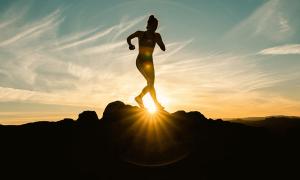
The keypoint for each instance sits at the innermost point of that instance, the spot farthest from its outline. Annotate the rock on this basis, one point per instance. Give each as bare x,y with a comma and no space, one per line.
87,117
113,109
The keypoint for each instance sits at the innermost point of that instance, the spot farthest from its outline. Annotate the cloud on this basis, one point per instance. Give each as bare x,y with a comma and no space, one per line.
7,23
91,36
72,37
9,16
88,39
269,21
36,28
103,48
126,25
282,50
172,48
221,71
284,24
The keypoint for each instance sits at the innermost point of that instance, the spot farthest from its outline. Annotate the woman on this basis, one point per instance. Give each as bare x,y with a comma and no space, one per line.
144,62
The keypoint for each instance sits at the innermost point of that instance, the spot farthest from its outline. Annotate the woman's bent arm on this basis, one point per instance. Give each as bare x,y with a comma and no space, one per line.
136,34
160,42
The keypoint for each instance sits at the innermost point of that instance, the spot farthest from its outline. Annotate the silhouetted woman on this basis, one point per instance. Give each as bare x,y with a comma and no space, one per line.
144,61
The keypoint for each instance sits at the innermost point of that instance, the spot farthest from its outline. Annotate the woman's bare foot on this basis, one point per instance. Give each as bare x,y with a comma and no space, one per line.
139,100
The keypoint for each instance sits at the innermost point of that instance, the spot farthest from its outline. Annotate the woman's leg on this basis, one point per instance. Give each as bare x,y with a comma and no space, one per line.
139,98
147,70
150,77
145,74
153,95
144,91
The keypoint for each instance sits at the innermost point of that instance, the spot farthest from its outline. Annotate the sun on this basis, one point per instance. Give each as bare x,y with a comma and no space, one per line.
149,104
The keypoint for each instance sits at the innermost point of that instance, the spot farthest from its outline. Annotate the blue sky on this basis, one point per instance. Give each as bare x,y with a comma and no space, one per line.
225,59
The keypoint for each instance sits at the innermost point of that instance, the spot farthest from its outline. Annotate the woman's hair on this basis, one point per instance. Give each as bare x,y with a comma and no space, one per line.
152,22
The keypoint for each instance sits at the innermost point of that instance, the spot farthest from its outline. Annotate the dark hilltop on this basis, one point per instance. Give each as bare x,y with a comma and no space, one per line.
129,143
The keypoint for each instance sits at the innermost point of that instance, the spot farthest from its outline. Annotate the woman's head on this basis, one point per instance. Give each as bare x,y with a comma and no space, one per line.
152,23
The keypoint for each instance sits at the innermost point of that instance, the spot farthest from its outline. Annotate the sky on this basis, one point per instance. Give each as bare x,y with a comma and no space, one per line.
224,58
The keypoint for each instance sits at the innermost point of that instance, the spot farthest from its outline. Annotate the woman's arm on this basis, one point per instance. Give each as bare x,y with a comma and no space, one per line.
159,41
136,34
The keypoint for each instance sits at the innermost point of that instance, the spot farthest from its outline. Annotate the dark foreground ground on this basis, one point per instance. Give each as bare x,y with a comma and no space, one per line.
128,143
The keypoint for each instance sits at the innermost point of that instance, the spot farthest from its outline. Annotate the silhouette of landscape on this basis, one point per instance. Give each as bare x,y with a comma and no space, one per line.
129,143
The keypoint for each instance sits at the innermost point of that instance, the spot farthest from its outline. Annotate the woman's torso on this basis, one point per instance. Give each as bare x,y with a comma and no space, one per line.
146,45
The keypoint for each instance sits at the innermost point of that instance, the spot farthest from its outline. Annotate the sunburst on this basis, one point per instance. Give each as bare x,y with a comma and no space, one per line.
149,104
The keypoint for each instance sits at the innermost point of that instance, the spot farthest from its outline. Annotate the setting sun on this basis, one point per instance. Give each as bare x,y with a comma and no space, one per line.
149,104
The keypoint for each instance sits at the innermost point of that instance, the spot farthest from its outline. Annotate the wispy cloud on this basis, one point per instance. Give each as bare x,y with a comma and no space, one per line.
126,25
172,48
88,39
282,50
7,23
284,24
92,36
270,21
72,37
35,28
9,16
103,48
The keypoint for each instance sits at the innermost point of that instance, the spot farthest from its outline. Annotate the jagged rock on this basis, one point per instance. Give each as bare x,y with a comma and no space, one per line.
114,110
87,117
